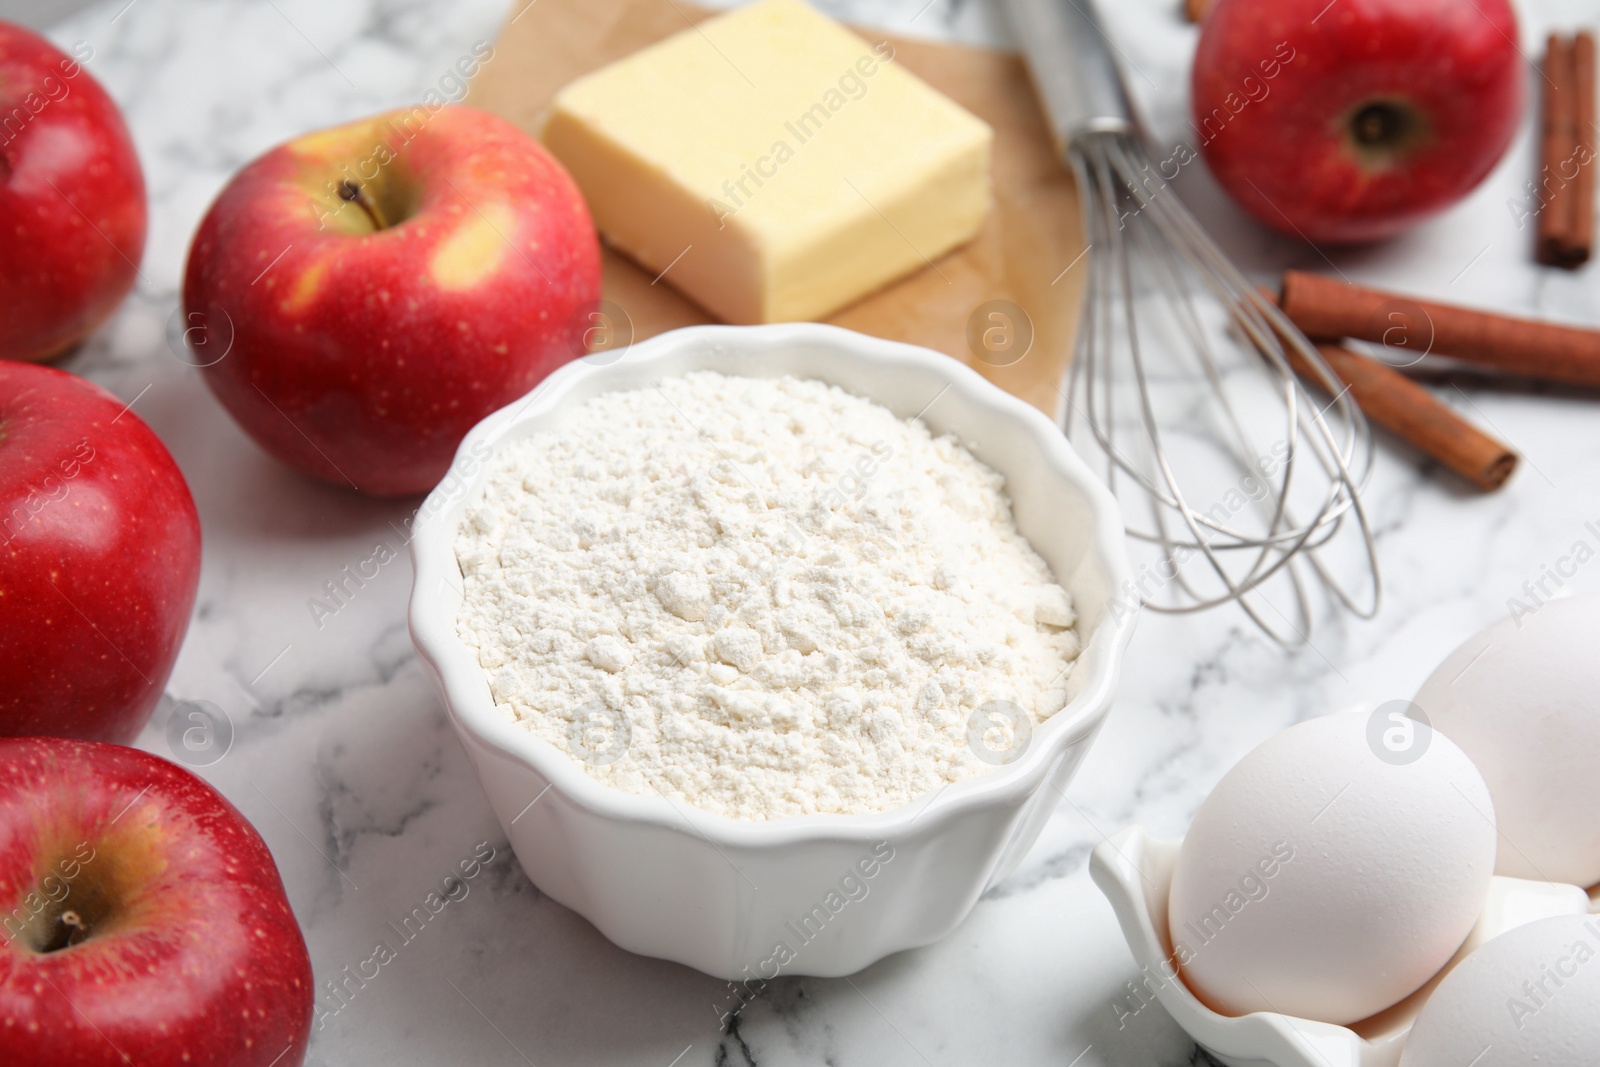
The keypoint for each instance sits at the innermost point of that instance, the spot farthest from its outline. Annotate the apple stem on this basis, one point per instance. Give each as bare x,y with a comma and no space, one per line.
70,930
352,192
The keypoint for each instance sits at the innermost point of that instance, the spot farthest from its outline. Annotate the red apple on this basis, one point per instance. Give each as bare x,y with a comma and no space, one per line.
72,211
143,919
99,559
379,287
1350,121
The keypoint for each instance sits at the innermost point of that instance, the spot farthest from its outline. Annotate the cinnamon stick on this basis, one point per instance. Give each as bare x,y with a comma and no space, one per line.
1558,139
1566,181
1326,307
1196,10
1407,410
1581,234
1391,400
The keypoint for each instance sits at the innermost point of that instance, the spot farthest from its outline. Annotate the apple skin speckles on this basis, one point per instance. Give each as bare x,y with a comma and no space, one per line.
99,559
348,362
191,952
1352,122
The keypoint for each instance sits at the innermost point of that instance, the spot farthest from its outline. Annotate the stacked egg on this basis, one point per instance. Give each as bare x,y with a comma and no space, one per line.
1340,866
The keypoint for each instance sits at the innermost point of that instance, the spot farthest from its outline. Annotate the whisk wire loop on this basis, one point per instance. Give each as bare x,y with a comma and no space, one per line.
1178,357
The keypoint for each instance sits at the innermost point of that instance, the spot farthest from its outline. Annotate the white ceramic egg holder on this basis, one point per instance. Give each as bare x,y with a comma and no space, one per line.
1134,870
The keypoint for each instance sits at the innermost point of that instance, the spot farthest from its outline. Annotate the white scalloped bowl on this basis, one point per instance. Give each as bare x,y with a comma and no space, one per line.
1134,871
719,894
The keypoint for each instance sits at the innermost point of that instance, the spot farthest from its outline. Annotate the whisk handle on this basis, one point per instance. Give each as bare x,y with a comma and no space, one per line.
1069,56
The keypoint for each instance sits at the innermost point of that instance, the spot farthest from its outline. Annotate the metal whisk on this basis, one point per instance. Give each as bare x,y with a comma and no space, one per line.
1235,481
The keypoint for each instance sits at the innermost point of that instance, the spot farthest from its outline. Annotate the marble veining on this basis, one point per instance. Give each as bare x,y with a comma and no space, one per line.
341,755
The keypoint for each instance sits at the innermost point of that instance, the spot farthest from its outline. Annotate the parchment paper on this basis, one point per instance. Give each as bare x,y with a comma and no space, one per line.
1028,252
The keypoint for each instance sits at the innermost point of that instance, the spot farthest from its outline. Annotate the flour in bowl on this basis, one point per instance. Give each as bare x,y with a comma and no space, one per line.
759,597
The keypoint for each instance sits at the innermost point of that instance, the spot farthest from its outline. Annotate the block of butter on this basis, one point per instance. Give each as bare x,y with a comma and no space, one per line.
771,164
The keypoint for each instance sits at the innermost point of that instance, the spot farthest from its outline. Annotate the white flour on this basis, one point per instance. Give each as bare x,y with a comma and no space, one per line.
759,597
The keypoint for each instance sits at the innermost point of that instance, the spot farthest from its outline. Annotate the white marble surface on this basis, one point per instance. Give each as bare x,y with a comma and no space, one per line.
345,763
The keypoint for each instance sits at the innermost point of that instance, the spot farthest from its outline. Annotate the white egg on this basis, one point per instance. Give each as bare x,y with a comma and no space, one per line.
1323,880
1529,997
1522,698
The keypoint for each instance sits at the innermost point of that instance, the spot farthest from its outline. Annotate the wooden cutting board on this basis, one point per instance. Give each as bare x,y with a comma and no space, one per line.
1028,254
